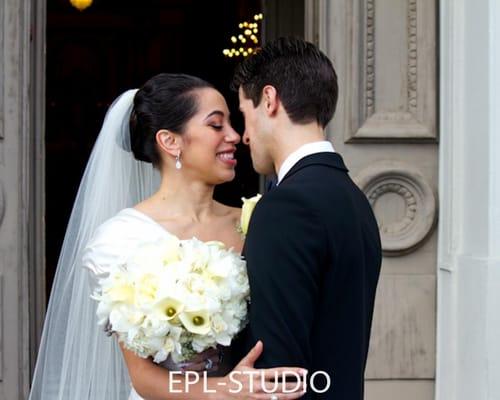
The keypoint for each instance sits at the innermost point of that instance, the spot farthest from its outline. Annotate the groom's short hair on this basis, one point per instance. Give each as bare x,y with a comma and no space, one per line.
303,76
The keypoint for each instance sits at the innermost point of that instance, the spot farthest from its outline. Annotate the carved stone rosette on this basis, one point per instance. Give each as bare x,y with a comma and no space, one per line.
409,231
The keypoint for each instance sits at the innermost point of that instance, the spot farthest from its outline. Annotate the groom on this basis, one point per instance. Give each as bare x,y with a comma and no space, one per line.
313,247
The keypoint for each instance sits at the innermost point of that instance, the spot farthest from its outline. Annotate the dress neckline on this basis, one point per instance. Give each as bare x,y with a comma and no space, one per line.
150,220
147,218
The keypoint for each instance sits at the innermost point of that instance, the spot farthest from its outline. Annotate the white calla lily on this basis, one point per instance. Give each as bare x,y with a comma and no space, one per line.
197,322
247,211
169,307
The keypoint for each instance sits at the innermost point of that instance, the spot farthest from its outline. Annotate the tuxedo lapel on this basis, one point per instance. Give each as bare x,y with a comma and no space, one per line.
332,160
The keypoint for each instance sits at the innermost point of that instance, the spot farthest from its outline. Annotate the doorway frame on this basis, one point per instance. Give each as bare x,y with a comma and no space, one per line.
34,185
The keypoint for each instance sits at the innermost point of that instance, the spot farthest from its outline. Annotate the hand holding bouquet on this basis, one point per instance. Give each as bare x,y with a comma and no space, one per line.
175,298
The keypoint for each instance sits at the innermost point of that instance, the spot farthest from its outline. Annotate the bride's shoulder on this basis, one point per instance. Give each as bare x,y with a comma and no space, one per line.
114,240
128,223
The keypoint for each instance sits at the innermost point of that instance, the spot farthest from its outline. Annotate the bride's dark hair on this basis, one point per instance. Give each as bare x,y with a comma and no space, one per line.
166,101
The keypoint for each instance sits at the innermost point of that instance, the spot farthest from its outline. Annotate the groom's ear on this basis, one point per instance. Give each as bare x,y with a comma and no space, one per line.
168,142
270,100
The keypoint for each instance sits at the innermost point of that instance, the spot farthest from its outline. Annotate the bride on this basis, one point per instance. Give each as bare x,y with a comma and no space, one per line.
160,153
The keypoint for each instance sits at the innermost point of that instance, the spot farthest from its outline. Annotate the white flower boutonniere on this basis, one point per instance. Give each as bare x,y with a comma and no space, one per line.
246,212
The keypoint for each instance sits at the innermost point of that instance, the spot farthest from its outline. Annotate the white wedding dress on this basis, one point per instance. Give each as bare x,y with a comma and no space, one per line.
117,239
112,244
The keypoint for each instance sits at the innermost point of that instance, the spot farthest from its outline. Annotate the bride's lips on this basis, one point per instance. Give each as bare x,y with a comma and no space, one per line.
227,157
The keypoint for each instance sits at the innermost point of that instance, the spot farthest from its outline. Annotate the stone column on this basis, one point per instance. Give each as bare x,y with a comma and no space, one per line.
469,233
468,357
21,193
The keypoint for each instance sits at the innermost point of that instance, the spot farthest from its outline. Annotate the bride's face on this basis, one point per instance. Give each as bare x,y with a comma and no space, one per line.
209,141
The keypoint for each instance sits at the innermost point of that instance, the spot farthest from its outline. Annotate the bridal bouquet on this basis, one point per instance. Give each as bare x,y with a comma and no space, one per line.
175,298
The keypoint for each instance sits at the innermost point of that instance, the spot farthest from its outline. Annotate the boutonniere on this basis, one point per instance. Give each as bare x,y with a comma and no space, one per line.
246,212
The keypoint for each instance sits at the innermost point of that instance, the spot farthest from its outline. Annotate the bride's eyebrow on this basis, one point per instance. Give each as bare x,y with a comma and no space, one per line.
216,112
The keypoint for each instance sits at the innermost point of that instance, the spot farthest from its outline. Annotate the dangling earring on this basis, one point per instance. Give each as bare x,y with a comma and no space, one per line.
178,164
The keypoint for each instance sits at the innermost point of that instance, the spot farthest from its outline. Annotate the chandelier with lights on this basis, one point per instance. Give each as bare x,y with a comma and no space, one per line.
247,42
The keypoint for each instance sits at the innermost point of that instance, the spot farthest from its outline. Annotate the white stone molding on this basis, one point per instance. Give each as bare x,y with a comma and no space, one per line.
370,58
393,91
418,218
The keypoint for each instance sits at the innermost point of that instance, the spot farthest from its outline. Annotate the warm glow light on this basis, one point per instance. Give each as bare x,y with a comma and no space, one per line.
81,4
248,32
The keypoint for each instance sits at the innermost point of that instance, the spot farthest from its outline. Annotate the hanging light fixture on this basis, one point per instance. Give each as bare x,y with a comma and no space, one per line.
247,42
81,4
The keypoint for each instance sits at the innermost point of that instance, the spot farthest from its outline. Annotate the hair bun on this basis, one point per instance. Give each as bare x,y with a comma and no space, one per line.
137,145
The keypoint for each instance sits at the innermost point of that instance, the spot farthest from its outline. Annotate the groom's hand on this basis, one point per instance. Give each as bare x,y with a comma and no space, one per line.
246,382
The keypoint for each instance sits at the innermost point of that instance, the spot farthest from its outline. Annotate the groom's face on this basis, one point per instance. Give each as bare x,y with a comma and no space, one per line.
257,134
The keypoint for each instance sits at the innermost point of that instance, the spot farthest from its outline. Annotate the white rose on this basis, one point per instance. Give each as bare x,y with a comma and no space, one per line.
172,251
146,287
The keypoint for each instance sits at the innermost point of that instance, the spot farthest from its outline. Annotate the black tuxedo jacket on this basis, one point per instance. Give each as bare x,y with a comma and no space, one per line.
313,252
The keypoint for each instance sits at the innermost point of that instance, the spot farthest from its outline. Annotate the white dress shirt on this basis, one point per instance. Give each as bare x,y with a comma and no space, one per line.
300,153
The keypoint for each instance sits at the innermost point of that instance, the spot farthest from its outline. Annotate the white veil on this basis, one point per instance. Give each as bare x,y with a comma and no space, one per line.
76,359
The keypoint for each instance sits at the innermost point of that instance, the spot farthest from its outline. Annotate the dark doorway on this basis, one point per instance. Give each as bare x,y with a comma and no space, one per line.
114,45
